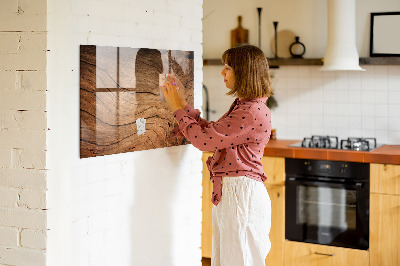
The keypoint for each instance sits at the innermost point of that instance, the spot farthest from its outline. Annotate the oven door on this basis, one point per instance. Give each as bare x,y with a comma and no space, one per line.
327,213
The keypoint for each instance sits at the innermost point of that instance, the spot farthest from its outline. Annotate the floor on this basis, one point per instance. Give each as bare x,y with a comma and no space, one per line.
206,261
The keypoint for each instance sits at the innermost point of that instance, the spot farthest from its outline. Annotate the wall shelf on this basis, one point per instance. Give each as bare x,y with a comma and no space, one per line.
380,61
274,63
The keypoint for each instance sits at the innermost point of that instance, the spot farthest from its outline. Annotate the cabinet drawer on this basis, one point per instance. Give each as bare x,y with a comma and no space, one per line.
304,254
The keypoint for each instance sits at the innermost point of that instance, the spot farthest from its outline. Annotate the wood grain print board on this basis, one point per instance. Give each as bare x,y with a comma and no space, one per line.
120,102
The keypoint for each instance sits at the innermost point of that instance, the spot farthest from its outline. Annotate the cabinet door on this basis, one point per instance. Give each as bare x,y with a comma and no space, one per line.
384,230
206,226
385,178
304,254
274,168
277,233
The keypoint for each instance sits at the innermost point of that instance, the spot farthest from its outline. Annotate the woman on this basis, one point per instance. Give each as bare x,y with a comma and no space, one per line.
242,211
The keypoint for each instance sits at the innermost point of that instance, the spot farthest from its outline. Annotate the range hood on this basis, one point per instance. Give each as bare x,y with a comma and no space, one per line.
341,51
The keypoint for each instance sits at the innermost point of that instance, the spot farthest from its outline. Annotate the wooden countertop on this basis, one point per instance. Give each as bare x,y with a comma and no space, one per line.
389,154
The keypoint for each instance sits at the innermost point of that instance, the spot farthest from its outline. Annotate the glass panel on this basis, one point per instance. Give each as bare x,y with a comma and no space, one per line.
327,207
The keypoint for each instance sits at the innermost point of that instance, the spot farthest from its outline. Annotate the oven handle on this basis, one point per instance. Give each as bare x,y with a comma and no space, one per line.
357,185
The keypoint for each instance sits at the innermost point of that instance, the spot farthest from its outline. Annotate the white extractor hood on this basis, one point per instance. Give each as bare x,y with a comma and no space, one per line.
341,51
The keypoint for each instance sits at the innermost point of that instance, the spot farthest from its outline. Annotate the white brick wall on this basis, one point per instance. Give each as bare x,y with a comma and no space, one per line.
22,132
140,208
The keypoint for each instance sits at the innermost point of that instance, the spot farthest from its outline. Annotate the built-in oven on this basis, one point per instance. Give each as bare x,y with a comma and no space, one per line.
327,202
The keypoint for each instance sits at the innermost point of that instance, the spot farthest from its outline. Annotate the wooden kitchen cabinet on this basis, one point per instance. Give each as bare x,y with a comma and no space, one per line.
385,215
305,254
385,178
206,225
277,233
274,168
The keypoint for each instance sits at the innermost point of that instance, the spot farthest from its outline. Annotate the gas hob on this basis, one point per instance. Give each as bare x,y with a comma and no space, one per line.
332,142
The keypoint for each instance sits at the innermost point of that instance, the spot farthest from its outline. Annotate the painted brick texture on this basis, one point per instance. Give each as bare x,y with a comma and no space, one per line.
139,208
23,132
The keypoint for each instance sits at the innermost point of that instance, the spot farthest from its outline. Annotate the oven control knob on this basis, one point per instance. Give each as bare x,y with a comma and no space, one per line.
343,168
308,166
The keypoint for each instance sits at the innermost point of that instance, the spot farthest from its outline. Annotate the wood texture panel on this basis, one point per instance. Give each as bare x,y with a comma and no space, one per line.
121,85
385,179
304,254
384,230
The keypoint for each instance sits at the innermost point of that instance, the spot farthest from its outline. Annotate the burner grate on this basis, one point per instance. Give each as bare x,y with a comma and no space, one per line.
327,142
358,144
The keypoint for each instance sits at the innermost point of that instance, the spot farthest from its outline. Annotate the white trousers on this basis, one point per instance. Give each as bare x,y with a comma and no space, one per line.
241,223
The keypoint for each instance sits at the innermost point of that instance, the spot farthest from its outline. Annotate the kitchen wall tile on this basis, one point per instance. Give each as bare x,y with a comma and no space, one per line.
342,96
315,72
355,132
317,121
380,71
291,71
394,110
293,120
304,82
355,109
354,122
329,93
394,82
393,71
292,82
317,131
304,72
304,108
367,133
381,84
394,97
354,80
394,123
278,71
381,123
367,96
342,109
381,97
381,110
342,133
367,123
304,131
317,95
317,108
278,83
381,136
367,110
342,80
367,81
328,74
329,122
394,137
355,96
342,122
316,82
329,109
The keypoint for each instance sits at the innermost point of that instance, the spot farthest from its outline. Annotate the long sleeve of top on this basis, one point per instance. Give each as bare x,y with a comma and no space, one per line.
238,139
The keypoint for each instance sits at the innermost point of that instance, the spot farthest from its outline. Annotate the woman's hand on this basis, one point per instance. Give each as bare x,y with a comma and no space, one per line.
174,93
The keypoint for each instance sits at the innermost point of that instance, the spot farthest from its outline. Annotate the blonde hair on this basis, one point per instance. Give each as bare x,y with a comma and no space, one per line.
250,66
